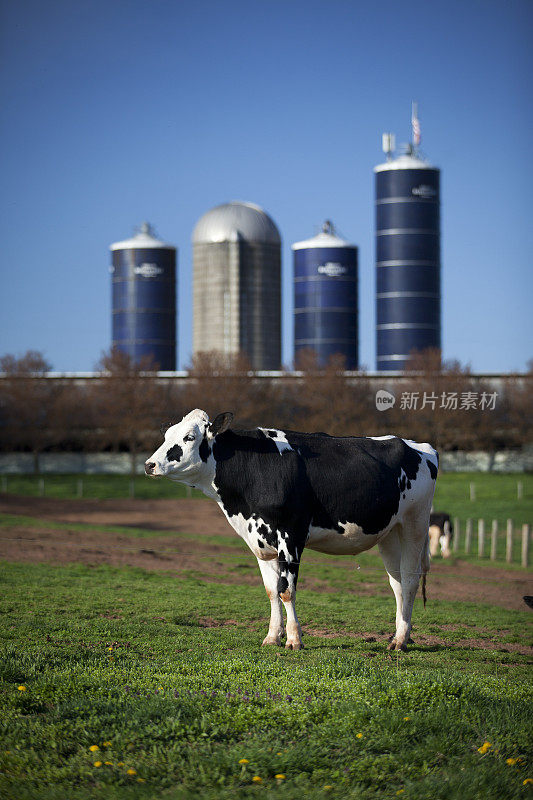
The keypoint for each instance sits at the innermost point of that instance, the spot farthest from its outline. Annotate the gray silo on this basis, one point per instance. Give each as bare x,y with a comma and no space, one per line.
237,284
407,256
325,297
144,297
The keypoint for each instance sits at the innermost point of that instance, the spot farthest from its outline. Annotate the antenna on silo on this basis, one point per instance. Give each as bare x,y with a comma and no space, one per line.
388,144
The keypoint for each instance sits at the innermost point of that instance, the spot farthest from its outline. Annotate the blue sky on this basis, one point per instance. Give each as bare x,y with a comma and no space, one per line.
115,112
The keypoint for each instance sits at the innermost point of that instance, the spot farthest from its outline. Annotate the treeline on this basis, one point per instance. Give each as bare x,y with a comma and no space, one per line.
123,408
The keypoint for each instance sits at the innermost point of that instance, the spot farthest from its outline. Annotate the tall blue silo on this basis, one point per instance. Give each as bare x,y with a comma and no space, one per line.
325,297
144,297
407,257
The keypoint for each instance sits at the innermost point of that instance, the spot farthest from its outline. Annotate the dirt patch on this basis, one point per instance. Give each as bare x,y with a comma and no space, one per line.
188,553
195,516
424,640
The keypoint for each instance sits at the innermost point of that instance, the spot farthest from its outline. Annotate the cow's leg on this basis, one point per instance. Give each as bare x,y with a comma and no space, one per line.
434,539
391,552
289,563
270,573
445,540
413,537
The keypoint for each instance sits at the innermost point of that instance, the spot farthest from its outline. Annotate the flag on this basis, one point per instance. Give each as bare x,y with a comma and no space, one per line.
416,125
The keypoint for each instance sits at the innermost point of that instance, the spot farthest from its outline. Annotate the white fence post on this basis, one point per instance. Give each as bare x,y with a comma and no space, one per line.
494,540
472,492
509,542
456,534
525,545
519,490
481,538
468,536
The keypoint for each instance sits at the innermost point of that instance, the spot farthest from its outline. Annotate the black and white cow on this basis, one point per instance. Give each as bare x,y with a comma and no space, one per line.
440,534
282,491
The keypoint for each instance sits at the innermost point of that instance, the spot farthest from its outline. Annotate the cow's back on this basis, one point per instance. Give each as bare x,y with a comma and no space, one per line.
318,479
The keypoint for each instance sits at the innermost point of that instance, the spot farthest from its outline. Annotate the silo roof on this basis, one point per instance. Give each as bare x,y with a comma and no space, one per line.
236,220
143,239
323,239
405,161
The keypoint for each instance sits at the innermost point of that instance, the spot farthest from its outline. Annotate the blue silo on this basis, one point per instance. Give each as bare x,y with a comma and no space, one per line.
407,258
325,297
144,298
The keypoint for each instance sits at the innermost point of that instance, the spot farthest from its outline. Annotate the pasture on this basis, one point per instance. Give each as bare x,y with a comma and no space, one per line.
134,627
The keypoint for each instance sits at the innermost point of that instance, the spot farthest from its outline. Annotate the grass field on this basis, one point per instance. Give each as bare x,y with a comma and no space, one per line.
166,677
496,493
119,683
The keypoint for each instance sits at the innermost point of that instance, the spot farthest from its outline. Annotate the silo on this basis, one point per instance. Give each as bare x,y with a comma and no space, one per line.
144,297
325,297
407,257
237,284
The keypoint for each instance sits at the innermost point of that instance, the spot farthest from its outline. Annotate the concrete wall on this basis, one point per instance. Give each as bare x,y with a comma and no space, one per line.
119,463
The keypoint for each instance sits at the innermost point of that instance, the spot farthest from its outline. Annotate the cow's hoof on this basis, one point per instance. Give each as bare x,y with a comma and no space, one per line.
294,646
394,646
275,640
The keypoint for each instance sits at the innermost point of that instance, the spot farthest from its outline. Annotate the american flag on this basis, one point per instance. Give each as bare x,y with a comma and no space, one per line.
416,125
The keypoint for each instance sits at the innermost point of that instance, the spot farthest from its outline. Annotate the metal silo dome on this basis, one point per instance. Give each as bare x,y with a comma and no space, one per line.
236,220
237,284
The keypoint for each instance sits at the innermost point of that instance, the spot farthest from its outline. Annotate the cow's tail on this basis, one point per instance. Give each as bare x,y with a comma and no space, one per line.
425,567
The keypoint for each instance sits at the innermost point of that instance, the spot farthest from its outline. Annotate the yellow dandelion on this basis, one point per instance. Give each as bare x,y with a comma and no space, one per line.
93,748
106,744
280,777
21,688
132,771
97,763
278,754
120,764
257,779
141,780
108,763
358,735
485,747
328,786
244,761
406,719
400,791
511,761
109,648
527,780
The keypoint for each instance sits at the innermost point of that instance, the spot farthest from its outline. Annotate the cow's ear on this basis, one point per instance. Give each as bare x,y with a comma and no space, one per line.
220,424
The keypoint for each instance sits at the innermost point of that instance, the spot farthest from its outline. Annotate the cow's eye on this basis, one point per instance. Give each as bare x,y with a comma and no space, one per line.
189,437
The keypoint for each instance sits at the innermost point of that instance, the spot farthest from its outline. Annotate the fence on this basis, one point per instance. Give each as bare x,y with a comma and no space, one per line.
500,546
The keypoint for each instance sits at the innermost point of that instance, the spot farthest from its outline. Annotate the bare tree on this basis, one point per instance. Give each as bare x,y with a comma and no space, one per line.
27,403
126,404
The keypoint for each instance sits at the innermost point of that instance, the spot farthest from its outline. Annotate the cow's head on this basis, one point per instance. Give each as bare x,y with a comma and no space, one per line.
187,447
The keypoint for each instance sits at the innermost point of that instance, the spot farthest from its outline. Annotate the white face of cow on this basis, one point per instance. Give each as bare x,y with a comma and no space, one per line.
184,454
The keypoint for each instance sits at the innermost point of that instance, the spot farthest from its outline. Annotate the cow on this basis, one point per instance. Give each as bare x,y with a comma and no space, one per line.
440,533
282,491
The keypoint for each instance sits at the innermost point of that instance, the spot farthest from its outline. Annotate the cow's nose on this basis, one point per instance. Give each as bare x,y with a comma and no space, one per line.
149,467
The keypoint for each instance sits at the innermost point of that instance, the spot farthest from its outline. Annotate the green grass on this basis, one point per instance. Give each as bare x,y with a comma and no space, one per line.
496,497
100,487
496,494
124,656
